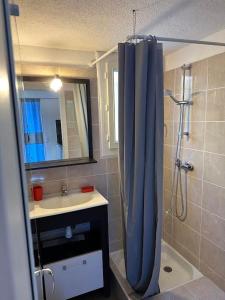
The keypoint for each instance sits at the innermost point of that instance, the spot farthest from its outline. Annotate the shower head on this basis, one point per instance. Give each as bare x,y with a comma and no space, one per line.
169,93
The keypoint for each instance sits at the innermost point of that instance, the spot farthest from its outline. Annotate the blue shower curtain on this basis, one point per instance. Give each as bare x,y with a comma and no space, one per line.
141,160
33,133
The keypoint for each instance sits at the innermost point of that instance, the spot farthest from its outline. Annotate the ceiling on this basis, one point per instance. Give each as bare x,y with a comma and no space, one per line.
91,25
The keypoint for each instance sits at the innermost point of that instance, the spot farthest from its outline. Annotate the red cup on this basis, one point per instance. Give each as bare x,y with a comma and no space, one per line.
37,192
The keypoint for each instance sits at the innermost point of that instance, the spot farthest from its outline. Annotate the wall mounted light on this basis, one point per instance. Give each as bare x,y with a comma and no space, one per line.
56,83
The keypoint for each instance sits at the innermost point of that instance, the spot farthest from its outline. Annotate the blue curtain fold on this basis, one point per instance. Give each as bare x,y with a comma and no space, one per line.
141,160
33,133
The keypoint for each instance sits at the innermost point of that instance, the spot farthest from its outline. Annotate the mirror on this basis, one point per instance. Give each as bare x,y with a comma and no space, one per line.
56,125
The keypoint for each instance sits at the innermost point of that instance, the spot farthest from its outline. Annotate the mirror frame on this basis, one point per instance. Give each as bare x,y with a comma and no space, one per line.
67,161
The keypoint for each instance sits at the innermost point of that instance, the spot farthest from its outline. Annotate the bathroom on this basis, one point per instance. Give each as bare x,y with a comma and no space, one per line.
108,189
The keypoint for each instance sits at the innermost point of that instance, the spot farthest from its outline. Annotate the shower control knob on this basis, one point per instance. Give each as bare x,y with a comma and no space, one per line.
186,166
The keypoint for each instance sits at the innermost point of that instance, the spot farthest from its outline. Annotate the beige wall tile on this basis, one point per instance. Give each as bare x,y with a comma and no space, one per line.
199,75
213,228
48,174
166,200
53,188
169,80
178,81
115,230
168,238
99,167
214,199
215,137
112,165
193,215
197,110
79,170
196,158
214,171
167,224
100,182
169,156
176,112
216,71
213,257
113,184
187,237
194,190
216,105
114,207
168,109
196,137
167,178
168,133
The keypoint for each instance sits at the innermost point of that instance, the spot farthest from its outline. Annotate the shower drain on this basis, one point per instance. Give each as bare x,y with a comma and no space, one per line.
167,269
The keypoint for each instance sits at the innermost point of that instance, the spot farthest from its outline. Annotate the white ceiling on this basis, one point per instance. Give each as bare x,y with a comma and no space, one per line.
91,25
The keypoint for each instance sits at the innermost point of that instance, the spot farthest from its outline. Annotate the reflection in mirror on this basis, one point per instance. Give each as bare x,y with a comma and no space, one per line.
55,124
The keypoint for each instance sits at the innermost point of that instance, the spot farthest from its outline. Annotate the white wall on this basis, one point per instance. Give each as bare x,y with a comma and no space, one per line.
50,56
193,53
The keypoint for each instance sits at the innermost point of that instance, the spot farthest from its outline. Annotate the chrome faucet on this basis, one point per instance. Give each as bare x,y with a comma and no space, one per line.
64,190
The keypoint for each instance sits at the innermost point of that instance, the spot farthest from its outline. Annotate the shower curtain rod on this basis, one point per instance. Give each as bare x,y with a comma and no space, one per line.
160,39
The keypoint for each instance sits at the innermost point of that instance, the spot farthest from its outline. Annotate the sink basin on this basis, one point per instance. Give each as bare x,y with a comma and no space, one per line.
66,201
71,202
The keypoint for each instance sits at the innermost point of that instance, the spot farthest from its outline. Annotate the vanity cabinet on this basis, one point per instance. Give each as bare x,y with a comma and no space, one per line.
76,265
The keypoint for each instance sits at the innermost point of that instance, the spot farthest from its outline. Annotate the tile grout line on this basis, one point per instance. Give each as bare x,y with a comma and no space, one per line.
203,167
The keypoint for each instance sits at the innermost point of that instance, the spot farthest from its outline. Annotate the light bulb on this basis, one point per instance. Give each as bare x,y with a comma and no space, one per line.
3,84
56,84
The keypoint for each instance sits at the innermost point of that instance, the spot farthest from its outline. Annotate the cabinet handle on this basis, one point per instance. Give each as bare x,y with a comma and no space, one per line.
37,273
50,272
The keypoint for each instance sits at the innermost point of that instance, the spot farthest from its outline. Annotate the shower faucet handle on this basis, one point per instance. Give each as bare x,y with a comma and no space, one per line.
187,166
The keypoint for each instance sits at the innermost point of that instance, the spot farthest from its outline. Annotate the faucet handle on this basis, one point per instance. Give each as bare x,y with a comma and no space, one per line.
64,189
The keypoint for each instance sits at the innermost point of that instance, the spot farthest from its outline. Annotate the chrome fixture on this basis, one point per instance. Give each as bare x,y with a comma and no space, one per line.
47,271
178,102
179,165
64,190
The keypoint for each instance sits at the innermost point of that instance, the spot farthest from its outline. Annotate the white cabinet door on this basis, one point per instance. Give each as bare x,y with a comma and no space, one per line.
75,276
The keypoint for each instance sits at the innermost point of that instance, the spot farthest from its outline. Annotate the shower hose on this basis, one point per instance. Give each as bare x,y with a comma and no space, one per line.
181,213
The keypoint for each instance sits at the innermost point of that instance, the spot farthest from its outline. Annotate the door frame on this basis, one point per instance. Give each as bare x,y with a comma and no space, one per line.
16,253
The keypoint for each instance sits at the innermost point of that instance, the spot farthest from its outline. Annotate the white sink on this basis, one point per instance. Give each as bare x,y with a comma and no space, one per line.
59,205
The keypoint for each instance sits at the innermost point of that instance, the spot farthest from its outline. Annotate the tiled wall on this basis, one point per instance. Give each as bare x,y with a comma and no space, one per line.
201,238
103,174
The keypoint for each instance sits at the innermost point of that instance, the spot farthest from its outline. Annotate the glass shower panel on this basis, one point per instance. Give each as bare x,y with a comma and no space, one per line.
20,88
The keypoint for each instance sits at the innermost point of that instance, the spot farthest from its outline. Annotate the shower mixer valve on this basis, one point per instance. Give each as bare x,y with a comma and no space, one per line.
186,166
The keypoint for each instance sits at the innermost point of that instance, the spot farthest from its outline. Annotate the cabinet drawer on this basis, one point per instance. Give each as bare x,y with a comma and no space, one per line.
75,276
